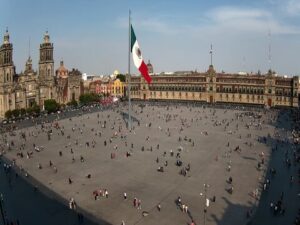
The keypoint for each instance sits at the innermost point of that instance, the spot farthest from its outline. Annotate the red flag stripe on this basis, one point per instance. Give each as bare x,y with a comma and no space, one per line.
144,71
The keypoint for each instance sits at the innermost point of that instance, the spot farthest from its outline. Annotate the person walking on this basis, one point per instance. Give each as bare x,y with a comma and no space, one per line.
158,207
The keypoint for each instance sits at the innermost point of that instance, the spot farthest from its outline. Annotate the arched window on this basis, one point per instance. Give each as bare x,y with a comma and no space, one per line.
7,77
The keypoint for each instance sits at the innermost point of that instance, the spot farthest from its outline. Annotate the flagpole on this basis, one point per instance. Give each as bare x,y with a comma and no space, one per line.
129,76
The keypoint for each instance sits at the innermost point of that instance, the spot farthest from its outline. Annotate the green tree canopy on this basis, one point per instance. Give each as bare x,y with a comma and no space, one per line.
8,114
22,111
121,77
51,105
88,98
15,113
72,103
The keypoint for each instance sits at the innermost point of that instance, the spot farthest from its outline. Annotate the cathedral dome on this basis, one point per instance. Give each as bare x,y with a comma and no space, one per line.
62,71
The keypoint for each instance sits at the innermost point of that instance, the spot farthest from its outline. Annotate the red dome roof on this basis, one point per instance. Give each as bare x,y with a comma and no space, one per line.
62,71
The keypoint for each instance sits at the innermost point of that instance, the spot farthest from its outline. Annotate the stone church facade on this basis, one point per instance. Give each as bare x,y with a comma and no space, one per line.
34,87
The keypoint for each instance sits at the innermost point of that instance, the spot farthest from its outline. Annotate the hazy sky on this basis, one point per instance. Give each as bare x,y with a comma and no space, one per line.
92,35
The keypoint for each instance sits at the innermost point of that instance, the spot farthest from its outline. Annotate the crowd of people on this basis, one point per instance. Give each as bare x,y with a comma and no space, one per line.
74,131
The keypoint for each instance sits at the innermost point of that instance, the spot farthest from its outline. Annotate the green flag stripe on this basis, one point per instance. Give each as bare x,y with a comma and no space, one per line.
133,38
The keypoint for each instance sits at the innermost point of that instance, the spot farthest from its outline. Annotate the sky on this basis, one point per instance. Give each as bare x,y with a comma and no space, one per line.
92,35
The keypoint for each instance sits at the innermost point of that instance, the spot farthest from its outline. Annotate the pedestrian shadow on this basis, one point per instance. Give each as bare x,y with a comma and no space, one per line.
30,202
125,117
258,212
279,181
249,158
232,214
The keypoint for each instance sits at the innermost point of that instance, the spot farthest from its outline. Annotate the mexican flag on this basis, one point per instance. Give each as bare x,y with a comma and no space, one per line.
137,57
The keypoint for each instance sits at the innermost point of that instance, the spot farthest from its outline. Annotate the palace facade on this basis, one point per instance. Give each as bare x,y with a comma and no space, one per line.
212,87
34,87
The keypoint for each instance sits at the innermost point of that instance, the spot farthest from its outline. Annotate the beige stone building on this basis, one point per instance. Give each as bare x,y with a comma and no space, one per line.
31,87
212,87
69,84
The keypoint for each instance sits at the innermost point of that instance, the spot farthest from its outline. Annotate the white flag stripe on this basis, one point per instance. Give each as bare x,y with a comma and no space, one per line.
136,55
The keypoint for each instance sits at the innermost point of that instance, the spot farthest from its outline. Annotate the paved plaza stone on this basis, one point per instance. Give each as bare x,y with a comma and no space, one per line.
83,157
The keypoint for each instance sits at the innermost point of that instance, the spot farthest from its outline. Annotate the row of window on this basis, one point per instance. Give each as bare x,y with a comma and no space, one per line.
284,93
258,97
47,55
283,83
178,88
249,97
243,90
240,81
179,79
6,57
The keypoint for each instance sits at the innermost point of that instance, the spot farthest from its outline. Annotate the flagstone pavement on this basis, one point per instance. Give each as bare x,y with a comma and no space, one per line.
215,143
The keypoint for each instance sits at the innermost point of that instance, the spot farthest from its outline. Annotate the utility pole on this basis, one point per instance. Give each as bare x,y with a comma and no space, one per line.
129,76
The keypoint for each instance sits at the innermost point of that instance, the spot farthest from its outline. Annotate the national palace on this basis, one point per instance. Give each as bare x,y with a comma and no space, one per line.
34,87
213,87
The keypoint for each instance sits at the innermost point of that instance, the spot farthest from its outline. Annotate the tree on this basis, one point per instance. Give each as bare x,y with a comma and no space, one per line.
72,103
51,105
36,109
88,98
22,111
29,110
8,114
15,113
121,77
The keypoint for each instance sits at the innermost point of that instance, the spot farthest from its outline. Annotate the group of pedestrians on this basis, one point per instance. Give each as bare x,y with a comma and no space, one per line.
108,133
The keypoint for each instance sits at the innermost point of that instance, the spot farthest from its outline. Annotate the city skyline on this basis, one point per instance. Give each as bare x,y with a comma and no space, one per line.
93,35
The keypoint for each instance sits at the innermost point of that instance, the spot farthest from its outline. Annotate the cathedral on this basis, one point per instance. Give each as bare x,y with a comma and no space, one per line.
34,87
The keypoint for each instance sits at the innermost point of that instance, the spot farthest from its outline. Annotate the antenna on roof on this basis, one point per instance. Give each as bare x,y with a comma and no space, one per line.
29,50
211,54
270,56
244,63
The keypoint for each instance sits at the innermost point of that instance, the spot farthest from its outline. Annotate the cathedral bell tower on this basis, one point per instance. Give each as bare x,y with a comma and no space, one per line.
46,62
7,68
7,73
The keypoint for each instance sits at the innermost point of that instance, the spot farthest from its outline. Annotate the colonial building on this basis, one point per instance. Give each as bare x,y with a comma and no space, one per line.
118,88
212,87
31,87
75,85
69,84
107,86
